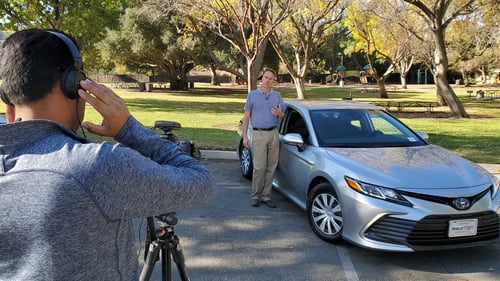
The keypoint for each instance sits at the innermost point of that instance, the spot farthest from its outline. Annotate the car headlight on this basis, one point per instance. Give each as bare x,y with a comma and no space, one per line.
376,191
494,193
496,186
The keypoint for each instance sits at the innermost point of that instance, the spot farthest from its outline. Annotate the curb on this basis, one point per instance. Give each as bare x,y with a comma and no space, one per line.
219,154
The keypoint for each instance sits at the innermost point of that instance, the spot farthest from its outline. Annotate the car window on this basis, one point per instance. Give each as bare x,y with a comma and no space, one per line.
296,124
361,128
381,125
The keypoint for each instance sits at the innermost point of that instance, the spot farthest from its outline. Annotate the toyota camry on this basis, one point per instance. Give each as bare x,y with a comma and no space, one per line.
362,175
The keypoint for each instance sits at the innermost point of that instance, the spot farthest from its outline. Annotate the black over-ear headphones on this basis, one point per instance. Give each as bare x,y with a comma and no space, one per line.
70,80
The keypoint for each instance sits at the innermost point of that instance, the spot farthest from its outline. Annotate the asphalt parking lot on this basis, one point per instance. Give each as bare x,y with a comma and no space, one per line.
227,239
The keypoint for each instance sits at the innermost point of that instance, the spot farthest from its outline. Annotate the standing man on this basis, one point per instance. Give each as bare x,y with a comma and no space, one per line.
263,109
67,204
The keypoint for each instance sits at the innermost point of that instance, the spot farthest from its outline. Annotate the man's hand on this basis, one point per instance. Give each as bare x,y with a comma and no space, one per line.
112,108
246,142
276,111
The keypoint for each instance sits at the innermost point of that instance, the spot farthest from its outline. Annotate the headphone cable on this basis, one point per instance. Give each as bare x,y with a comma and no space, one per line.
78,117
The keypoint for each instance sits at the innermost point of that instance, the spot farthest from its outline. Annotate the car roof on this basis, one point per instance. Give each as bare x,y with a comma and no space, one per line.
330,104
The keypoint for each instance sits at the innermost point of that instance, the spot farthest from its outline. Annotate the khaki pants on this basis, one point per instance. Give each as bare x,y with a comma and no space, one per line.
265,151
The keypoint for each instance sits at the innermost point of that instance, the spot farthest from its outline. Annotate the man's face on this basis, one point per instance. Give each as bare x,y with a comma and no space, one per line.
267,79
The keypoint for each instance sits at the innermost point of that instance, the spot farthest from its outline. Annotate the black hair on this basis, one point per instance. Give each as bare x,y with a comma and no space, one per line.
32,62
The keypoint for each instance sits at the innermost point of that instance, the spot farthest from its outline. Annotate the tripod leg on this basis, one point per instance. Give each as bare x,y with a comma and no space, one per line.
178,257
166,265
149,262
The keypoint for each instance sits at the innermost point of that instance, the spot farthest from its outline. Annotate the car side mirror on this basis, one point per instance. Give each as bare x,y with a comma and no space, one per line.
424,136
294,139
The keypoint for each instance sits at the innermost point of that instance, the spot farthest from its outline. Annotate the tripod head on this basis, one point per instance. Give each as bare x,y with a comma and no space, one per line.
166,126
165,228
168,219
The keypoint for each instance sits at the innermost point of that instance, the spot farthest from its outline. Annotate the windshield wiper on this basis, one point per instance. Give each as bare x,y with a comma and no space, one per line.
345,145
406,144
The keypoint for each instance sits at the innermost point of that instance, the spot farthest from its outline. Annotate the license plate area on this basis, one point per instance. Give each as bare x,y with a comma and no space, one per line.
459,228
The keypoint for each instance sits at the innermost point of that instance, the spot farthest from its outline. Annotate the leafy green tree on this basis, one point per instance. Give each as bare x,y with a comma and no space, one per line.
384,39
214,51
147,38
366,29
472,40
215,54
245,24
86,21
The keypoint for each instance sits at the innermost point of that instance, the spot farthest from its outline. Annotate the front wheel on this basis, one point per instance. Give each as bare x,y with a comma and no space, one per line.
324,213
246,162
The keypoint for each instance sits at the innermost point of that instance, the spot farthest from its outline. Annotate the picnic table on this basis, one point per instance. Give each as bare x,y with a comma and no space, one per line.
484,95
401,105
376,89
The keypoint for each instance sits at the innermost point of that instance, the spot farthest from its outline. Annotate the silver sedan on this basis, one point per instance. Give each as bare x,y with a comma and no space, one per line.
364,176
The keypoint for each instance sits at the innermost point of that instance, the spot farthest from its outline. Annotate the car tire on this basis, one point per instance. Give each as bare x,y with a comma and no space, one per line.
246,162
324,213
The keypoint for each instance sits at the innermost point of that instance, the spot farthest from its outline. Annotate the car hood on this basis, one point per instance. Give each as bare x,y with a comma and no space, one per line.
416,167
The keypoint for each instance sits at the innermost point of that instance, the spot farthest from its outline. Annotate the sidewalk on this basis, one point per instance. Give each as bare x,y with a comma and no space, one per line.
492,168
231,155
219,154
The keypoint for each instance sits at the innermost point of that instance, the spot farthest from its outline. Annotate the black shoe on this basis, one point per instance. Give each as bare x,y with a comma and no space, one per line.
254,202
269,203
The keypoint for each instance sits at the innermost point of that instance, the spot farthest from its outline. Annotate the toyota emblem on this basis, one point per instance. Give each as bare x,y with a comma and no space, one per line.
461,203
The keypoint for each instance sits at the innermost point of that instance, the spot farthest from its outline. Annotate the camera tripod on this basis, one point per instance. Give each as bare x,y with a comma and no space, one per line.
166,243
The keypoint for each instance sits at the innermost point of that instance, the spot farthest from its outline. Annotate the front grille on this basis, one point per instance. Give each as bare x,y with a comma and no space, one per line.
447,200
432,231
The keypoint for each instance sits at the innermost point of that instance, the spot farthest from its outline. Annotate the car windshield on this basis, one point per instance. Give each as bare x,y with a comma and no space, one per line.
361,128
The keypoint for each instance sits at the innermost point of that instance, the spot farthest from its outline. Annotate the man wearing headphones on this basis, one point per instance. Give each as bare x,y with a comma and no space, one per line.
67,204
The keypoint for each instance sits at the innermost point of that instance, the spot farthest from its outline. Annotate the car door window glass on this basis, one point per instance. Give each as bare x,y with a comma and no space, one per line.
296,124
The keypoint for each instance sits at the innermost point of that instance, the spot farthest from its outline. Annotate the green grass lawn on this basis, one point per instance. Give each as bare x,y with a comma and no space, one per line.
210,115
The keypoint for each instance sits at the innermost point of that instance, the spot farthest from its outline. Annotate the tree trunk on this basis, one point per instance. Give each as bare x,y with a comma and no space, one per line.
404,68
483,74
176,84
252,79
213,75
440,100
404,85
381,87
464,77
443,89
254,64
177,73
446,92
299,86
379,78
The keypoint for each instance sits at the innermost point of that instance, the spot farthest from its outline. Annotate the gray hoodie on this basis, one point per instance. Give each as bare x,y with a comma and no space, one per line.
66,205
